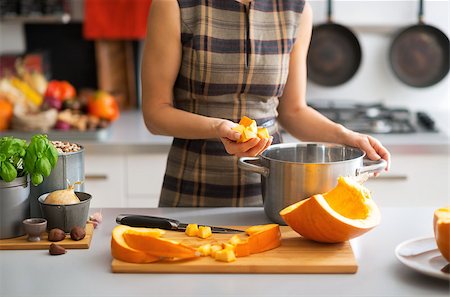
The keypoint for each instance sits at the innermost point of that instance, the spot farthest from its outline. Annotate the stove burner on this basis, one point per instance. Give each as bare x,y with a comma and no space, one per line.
375,118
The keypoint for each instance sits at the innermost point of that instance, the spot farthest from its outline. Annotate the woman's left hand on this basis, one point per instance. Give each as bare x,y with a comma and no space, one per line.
373,148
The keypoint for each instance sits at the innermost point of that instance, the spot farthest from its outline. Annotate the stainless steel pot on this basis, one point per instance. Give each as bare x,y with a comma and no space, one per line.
291,172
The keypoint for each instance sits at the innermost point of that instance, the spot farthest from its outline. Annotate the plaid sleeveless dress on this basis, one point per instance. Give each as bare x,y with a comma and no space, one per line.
235,62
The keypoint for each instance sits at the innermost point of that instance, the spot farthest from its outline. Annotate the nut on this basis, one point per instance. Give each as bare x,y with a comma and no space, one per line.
77,233
56,235
55,250
66,147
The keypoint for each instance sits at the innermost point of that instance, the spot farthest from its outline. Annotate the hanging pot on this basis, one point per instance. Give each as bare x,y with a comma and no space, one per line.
419,55
334,54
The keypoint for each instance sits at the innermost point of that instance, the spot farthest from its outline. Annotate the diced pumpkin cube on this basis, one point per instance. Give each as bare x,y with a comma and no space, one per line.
191,230
214,249
246,121
225,255
205,250
204,232
234,240
263,133
228,246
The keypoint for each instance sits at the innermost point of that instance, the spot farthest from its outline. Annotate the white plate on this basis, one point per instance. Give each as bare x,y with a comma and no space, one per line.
422,254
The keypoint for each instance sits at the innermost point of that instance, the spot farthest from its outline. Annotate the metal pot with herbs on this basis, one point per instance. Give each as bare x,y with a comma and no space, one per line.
19,161
19,158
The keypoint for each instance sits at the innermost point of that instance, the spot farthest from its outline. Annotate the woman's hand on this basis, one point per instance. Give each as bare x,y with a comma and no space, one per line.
251,148
373,148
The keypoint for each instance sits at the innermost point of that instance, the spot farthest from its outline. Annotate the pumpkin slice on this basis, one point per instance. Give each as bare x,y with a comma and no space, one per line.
345,212
159,246
441,227
120,250
261,238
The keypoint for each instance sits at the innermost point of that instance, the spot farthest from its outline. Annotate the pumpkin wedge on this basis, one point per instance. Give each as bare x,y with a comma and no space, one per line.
441,227
261,238
120,250
345,212
157,246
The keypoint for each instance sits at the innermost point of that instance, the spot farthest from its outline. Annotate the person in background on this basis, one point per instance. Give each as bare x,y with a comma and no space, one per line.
207,63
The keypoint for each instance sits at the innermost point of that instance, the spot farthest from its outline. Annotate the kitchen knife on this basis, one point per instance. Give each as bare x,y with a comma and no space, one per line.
163,223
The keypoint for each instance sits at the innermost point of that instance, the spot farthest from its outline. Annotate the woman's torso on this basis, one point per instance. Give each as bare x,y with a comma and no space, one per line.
234,62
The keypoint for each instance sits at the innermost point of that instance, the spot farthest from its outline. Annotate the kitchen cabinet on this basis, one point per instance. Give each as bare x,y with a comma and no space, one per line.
105,180
414,179
144,178
125,180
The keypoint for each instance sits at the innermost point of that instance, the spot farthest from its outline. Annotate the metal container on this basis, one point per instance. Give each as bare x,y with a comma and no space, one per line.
65,217
69,168
291,172
14,206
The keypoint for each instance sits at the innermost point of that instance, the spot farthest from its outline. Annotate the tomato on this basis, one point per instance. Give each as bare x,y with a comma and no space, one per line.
53,90
67,90
103,105
60,90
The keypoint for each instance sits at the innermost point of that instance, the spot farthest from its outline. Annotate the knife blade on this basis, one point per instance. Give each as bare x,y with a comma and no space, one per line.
164,223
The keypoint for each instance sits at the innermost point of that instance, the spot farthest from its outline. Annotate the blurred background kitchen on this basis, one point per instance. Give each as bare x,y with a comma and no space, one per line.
58,53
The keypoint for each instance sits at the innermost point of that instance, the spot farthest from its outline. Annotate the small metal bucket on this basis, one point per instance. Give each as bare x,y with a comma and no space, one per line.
14,206
65,217
70,167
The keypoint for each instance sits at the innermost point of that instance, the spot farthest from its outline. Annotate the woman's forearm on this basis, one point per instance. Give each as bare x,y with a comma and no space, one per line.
307,124
167,120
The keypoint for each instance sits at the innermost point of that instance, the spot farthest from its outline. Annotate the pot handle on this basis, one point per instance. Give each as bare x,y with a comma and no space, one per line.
242,164
371,166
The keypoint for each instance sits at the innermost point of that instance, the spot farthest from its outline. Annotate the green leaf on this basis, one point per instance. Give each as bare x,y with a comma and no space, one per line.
52,155
8,172
36,178
29,162
43,166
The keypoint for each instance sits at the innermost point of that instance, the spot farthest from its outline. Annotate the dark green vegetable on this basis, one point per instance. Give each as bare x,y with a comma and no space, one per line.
17,159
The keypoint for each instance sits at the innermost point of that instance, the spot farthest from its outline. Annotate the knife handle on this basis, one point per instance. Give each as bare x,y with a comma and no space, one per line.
147,221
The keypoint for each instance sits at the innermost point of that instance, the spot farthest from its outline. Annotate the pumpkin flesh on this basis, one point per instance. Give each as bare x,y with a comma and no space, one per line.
441,227
345,212
120,250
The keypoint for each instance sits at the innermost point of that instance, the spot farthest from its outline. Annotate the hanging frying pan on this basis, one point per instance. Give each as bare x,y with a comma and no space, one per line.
334,54
419,54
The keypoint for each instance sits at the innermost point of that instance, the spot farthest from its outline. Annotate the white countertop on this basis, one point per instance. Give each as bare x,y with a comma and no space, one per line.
88,273
129,134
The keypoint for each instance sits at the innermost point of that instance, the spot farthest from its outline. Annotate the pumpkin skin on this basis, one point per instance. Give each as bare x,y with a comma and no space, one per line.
161,247
441,227
315,219
120,250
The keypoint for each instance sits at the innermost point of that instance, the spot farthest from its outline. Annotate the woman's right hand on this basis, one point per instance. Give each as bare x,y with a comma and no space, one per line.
251,148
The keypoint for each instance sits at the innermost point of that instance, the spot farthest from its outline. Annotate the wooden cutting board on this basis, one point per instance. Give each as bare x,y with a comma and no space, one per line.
21,243
295,255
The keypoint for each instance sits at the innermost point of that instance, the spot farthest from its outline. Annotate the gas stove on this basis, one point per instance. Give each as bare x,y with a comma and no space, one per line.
375,118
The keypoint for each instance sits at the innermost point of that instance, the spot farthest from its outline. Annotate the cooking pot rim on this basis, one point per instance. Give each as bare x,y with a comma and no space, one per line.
305,144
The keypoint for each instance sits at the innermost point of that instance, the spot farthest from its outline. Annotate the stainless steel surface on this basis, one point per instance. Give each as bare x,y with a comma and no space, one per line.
375,118
65,217
69,168
14,206
291,172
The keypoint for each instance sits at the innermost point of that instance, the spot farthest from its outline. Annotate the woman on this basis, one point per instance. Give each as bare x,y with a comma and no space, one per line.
206,64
